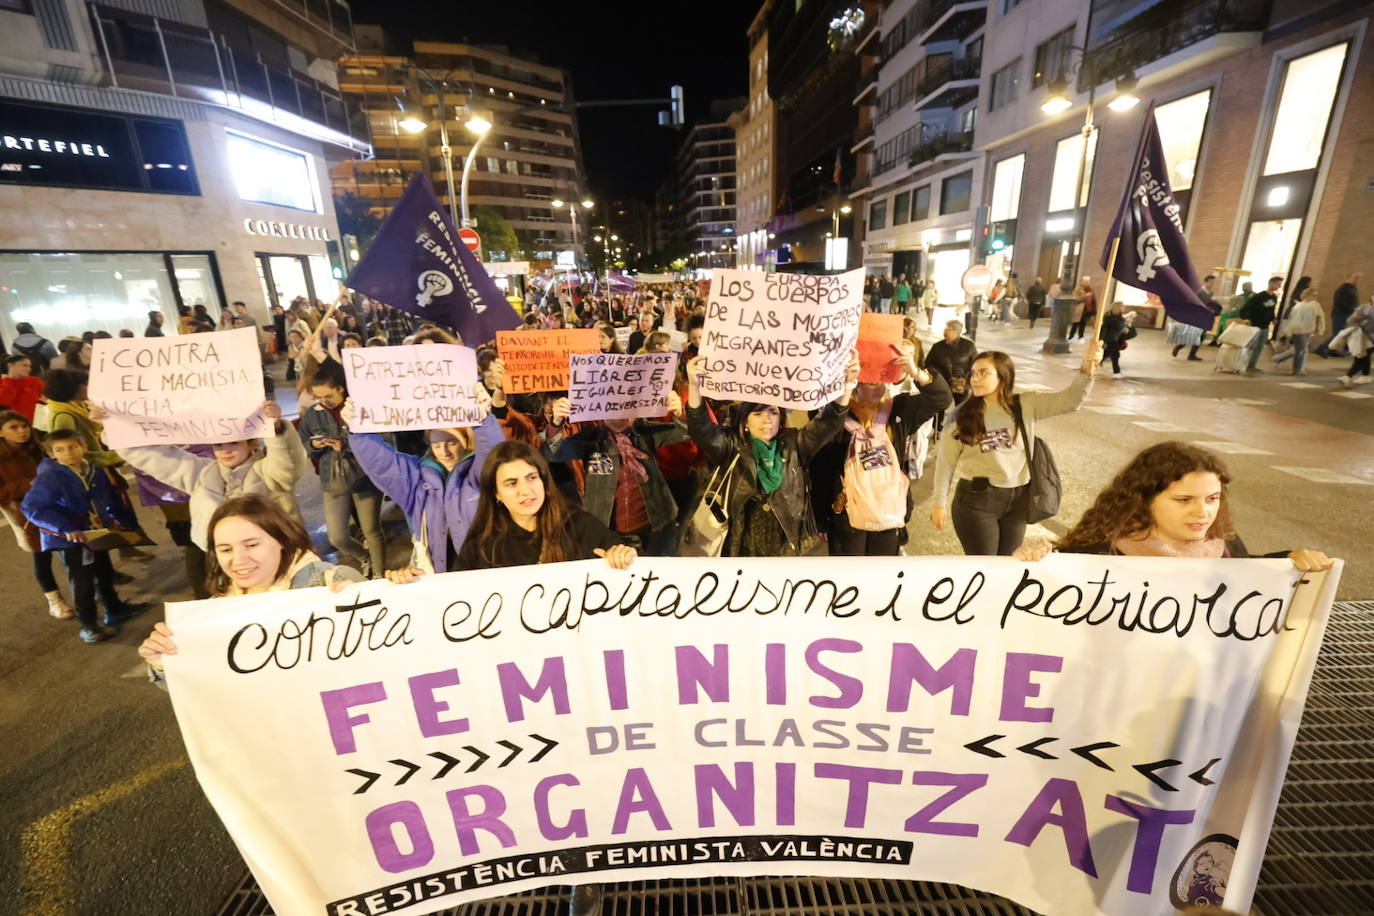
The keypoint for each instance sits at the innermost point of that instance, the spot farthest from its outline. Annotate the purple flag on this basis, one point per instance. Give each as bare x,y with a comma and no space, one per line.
1153,254
417,264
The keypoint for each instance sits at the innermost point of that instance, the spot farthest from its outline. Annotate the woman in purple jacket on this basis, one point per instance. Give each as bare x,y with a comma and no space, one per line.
437,492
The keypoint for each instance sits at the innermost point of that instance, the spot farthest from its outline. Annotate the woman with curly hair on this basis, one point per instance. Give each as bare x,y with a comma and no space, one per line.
1169,501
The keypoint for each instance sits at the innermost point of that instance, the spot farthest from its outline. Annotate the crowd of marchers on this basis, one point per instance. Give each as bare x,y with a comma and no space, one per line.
527,485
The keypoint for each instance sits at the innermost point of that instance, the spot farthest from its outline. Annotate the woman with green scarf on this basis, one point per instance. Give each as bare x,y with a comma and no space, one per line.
770,506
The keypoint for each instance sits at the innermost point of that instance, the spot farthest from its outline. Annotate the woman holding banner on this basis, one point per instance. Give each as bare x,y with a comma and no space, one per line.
522,519
254,547
1169,501
439,492
767,466
986,447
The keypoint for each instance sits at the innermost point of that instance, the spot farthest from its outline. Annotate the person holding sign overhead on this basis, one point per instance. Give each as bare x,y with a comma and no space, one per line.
767,466
438,492
984,448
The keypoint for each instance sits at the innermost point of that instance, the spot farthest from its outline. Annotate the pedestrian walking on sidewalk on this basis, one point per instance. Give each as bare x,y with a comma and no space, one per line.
1343,306
885,293
1260,312
1035,300
1086,309
1358,338
1117,329
1305,320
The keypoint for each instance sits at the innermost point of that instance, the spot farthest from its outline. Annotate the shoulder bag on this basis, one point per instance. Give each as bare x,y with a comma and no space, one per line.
1045,488
710,521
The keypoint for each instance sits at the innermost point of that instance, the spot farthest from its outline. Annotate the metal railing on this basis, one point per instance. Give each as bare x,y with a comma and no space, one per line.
173,58
954,141
1166,29
946,68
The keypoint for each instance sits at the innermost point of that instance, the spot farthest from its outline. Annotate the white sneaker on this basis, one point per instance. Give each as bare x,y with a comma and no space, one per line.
1344,380
1360,380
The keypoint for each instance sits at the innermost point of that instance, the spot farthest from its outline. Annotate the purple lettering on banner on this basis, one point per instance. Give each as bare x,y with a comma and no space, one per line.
1148,836
851,688
785,793
908,665
379,830
427,708
637,796
336,706
1073,822
614,662
923,821
856,808
1017,687
775,673
514,687
694,672
577,820
738,797
466,823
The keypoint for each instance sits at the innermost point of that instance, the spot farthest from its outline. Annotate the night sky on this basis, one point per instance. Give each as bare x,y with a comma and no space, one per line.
615,49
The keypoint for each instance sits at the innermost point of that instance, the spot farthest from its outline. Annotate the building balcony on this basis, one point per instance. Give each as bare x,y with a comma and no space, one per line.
950,20
171,58
948,81
943,144
1167,29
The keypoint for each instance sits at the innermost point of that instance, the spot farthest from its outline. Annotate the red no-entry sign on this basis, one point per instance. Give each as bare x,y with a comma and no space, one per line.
470,238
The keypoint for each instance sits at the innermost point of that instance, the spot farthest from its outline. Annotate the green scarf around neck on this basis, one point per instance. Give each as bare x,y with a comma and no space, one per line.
768,459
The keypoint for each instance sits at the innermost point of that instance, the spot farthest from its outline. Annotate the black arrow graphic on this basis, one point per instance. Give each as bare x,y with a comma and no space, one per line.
548,746
410,769
1147,770
981,746
481,758
1200,777
449,763
514,752
370,777
1086,752
1033,748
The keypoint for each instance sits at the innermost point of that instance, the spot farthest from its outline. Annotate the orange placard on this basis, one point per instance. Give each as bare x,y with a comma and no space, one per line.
538,360
878,334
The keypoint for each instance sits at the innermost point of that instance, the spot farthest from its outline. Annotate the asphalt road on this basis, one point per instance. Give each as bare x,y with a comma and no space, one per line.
102,814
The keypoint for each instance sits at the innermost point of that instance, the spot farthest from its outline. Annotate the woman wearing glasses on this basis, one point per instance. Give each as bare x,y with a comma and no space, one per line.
983,450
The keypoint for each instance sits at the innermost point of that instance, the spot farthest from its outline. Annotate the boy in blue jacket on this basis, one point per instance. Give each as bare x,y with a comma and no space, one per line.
69,497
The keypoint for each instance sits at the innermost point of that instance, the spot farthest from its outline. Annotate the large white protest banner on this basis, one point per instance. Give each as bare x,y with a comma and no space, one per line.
421,386
1083,735
604,386
185,390
778,338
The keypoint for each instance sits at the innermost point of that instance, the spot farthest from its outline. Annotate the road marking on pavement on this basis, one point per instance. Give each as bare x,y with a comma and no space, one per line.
45,875
1322,475
1161,427
1108,409
1250,402
1300,385
1232,448
1351,394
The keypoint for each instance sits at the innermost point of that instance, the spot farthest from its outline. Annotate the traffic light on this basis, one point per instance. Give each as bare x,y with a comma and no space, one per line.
677,111
1003,234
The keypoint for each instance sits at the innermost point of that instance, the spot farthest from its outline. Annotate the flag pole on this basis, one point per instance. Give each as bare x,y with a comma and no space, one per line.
1108,289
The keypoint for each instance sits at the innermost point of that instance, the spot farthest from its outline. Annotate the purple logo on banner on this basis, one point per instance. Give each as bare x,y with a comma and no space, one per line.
1153,254
417,265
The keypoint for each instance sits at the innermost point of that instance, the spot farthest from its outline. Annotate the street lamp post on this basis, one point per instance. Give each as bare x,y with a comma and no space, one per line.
1061,310
475,123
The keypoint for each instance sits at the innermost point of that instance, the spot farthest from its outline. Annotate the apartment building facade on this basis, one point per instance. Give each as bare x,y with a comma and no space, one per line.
1263,110
164,160
706,187
755,141
926,177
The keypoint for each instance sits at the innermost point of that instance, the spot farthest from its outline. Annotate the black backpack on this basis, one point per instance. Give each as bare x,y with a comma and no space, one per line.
38,360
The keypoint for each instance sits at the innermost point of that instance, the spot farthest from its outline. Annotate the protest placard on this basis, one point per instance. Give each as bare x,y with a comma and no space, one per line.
622,338
421,386
945,719
538,360
778,338
878,335
604,386
186,390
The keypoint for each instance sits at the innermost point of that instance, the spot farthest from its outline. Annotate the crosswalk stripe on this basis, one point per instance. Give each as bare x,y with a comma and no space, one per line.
1322,475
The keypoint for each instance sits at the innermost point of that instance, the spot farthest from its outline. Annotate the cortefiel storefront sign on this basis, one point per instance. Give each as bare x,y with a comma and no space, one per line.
71,147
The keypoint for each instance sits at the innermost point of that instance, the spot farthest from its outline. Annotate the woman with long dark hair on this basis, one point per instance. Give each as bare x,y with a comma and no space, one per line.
1171,500
523,519
255,547
983,449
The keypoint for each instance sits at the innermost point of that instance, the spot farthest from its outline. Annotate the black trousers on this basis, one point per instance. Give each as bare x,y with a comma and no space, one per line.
1113,352
853,542
87,581
988,520
42,571
1078,327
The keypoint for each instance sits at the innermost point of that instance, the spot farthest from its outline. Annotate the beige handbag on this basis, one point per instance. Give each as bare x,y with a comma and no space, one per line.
706,530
